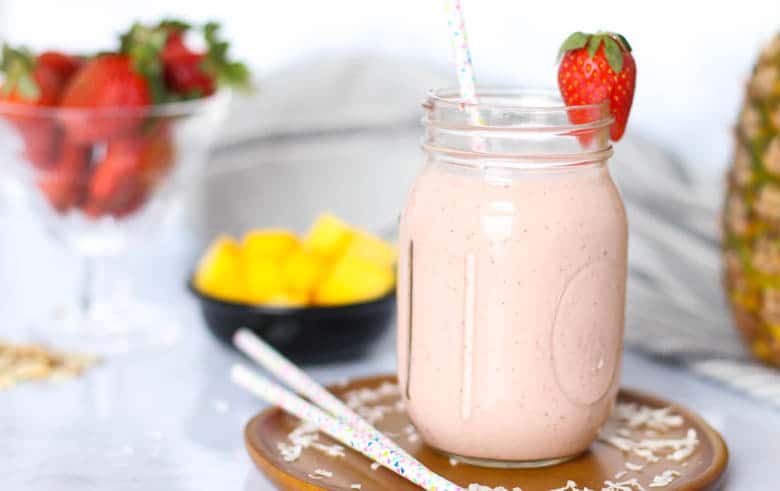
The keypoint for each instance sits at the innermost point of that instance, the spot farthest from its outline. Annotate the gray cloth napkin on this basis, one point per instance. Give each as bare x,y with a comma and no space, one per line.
676,306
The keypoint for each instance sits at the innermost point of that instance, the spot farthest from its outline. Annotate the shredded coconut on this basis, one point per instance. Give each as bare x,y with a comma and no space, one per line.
664,479
453,461
480,487
634,467
355,486
323,473
571,486
375,466
627,417
306,436
621,474
629,485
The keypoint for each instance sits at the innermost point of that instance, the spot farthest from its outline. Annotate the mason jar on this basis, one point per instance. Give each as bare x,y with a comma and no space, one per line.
511,283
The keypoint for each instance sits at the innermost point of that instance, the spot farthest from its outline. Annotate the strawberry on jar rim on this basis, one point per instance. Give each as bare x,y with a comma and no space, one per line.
598,67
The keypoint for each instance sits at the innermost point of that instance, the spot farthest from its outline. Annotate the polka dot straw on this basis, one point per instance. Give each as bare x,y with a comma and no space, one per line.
363,442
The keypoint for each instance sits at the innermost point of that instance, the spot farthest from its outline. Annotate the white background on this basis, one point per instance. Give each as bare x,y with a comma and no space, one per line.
693,57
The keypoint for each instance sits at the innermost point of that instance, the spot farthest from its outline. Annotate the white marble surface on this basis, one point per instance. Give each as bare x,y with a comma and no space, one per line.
171,421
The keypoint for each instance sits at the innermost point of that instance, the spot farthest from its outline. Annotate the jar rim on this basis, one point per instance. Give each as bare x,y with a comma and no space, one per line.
452,97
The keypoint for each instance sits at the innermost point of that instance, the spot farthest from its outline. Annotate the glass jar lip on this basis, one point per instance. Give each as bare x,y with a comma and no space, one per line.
452,97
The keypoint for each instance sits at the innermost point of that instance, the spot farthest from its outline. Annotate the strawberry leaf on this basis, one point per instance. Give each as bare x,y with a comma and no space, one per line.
144,45
623,40
575,40
217,62
593,44
18,66
613,54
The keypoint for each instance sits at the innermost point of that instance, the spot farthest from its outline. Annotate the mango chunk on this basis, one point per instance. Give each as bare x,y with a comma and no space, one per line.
372,248
352,280
286,300
270,243
328,236
264,279
219,271
302,270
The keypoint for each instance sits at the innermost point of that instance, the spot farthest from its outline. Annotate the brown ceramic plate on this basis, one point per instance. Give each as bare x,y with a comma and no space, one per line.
701,471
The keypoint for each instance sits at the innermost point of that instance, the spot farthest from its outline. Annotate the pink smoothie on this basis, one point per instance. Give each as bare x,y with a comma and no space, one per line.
511,296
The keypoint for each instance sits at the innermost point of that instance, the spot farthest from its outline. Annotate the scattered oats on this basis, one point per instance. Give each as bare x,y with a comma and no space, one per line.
221,407
634,467
355,486
621,474
323,473
20,363
375,466
664,479
453,461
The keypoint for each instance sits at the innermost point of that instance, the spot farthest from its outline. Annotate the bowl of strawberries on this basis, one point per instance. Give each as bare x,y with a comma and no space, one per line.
100,146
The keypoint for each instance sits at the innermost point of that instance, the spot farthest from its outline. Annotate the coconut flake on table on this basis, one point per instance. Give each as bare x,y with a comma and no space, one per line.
323,472
664,479
571,486
355,486
375,466
634,467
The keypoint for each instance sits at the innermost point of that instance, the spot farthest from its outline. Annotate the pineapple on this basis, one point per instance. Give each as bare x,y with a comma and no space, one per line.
751,217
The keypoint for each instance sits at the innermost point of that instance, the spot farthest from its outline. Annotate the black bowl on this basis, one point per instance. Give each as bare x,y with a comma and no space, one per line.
303,334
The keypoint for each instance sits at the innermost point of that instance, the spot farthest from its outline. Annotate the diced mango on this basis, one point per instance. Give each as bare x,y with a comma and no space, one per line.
269,243
352,280
328,236
302,271
286,300
219,271
264,279
372,248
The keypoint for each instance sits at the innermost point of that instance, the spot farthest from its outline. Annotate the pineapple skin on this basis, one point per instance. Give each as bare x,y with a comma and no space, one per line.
751,214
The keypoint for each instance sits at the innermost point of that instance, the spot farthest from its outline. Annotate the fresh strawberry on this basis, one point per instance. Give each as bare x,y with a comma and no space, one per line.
131,168
63,64
65,183
31,83
108,81
183,68
594,68
174,70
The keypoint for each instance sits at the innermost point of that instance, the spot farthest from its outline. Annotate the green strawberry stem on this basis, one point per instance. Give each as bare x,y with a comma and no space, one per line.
611,41
18,65
217,62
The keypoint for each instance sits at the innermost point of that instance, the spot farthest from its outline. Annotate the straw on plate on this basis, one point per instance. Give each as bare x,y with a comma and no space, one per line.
266,356
363,442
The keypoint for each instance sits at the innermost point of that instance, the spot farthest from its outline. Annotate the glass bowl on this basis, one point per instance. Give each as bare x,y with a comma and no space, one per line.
99,180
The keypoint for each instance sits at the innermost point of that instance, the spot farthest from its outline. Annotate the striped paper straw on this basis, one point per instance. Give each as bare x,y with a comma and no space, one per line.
266,356
364,443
